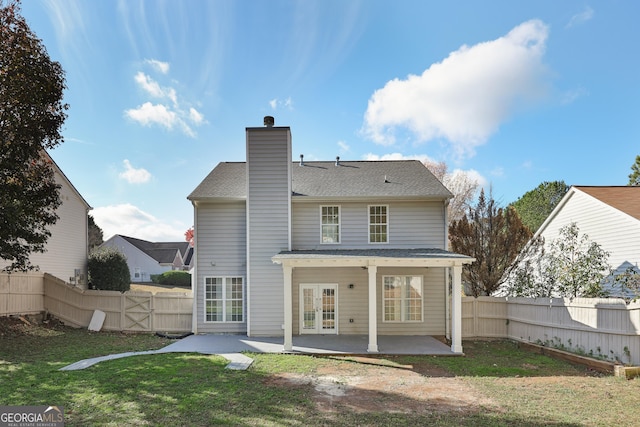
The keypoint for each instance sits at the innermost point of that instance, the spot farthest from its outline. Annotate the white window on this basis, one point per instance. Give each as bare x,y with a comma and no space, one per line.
330,224
223,299
402,298
378,224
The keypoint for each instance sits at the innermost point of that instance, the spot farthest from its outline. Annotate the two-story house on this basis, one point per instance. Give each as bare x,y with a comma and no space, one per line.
346,247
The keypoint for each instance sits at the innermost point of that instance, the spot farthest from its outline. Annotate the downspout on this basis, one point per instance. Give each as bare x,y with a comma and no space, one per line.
447,274
194,277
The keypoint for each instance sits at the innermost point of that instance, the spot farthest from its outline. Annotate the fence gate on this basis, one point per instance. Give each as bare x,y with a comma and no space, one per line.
137,313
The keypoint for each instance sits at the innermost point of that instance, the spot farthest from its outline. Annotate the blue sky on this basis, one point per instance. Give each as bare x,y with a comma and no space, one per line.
516,93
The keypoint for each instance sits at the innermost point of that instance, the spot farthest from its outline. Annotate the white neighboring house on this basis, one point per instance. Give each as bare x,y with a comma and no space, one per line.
324,248
146,258
67,248
609,215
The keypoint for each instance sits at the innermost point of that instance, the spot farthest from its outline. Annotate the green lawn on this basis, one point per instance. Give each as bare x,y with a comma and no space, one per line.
521,388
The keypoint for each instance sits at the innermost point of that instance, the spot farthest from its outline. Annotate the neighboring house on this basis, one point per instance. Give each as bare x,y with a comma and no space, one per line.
349,248
609,215
67,247
146,258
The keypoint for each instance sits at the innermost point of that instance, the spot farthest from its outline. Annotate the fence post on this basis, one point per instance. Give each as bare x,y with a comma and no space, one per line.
475,316
123,309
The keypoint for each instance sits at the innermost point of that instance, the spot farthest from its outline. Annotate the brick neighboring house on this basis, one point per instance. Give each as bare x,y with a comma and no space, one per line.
344,247
146,258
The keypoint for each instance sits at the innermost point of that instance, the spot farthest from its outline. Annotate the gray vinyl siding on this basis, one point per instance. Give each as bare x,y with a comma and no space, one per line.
353,303
268,225
221,252
416,224
615,231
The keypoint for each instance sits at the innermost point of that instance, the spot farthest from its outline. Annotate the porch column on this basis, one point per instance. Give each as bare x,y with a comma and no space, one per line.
288,307
456,310
373,314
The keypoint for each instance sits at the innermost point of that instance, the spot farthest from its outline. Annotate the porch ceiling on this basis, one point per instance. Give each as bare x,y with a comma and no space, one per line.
425,257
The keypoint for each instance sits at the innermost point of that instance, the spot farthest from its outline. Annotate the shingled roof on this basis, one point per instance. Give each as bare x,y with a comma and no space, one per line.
346,179
163,252
623,198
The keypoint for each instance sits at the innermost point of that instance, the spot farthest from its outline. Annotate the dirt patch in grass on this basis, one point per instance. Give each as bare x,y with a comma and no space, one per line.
366,387
15,326
155,288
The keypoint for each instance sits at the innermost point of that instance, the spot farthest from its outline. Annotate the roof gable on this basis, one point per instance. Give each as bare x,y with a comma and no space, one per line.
345,179
163,252
624,198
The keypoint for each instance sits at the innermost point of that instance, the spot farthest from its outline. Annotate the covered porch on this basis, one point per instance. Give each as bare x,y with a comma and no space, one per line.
311,344
373,261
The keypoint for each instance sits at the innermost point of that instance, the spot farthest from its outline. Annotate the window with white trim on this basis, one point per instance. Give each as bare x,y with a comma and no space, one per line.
378,224
223,299
402,298
330,224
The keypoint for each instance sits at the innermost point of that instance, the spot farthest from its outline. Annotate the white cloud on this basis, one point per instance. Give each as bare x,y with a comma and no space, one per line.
581,17
127,219
133,175
160,66
276,103
173,116
148,114
497,171
398,156
154,89
344,147
571,95
466,97
195,116
149,85
472,174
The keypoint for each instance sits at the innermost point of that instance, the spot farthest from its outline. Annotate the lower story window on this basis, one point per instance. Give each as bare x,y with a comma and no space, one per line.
224,299
402,298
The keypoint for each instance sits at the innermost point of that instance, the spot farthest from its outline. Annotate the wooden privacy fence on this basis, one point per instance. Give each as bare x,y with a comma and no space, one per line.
606,328
129,311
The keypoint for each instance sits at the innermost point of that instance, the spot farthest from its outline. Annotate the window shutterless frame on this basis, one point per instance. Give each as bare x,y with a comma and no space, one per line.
402,299
224,299
330,224
378,220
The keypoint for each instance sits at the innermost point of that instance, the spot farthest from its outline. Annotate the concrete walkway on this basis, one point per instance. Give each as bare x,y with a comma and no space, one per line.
231,346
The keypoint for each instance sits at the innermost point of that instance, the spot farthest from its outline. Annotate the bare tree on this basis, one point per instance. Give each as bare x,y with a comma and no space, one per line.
460,183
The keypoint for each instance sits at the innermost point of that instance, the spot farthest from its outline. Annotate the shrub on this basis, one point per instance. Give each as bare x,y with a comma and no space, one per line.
108,270
175,278
155,278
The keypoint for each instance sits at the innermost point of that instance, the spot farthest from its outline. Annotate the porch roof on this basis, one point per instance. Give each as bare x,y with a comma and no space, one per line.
421,257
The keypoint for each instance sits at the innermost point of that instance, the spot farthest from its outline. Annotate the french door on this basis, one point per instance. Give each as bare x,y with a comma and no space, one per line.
318,309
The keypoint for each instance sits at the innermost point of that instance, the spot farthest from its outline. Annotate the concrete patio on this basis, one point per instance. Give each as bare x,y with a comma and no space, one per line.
310,344
231,347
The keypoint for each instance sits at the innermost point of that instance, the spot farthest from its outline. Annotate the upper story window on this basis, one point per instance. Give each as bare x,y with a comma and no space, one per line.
330,224
378,224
